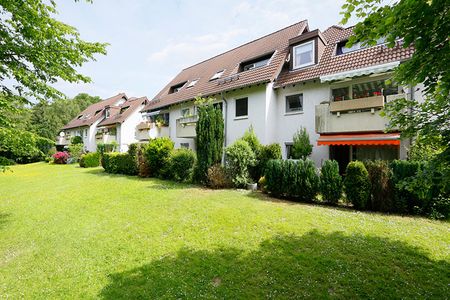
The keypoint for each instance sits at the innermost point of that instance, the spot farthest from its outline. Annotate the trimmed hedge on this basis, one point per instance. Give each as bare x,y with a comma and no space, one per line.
90,160
119,163
181,165
296,179
330,182
357,184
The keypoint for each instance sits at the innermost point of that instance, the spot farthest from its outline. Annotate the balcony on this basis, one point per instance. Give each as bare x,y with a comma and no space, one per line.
356,115
186,127
105,138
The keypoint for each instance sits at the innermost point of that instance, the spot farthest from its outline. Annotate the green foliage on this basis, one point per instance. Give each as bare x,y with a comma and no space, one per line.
295,179
37,50
301,147
239,157
402,171
266,153
6,161
105,148
76,140
20,146
76,150
210,137
44,145
423,25
119,163
181,165
381,189
133,149
157,154
90,160
252,140
330,181
142,164
357,184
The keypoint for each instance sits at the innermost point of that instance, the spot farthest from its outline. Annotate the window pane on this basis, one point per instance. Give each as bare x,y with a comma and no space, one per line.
241,107
294,103
340,94
303,55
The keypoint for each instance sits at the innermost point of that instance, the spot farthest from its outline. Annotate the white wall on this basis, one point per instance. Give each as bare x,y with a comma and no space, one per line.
287,124
126,132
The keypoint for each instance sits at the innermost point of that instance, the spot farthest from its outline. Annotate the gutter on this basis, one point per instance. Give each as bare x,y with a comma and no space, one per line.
224,125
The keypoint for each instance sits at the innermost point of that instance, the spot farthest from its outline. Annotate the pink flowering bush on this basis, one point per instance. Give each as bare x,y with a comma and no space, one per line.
60,157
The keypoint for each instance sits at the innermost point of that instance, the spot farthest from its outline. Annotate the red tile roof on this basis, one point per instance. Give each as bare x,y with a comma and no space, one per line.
331,63
127,108
230,61
89,116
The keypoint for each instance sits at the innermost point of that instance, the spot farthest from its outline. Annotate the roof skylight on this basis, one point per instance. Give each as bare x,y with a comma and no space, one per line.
192,83
217,75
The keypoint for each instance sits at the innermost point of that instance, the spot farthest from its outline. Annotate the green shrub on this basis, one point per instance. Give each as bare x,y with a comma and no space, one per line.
295,179
142,164
330,182
76,140
181,165
75,151
6,161
19,145
106,148
380,186
45,145
239,157
440,208
357,184
218,177
252,140
90,160
133,149
119,163
157,154
404,200
266,153
301,147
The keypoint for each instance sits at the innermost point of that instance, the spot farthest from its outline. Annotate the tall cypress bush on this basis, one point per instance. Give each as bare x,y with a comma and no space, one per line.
210,137
357,184
330,182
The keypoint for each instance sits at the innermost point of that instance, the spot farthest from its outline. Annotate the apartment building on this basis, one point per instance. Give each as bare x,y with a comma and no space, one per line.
111,120
292,78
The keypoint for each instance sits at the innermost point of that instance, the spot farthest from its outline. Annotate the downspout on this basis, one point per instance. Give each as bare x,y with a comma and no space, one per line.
411,91
225,109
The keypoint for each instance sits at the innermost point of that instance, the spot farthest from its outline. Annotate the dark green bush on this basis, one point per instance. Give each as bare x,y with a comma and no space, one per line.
44,145
252,140
119,163
291,178
239,157
90,160
106,148
157,154
6,161
380,186
301,147
330,182
357,184
218,177
133,149
181,165
76,140
266,153
404,200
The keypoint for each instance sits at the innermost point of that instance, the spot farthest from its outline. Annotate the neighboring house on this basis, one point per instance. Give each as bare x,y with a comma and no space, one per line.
110,120
291,78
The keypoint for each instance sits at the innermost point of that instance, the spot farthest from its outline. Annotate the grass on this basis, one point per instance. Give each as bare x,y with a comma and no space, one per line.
67,232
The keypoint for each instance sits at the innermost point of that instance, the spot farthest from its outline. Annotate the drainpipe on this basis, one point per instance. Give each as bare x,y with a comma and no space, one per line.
225,110
411,97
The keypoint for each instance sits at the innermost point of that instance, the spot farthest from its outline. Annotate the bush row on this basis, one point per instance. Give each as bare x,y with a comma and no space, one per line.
90,160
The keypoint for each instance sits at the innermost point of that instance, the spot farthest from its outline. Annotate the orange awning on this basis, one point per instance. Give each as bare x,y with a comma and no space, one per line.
360,139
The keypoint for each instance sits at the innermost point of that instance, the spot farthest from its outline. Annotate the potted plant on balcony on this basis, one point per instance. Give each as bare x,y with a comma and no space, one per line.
159,121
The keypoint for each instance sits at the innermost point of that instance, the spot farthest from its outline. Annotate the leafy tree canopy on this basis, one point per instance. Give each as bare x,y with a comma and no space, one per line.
36,50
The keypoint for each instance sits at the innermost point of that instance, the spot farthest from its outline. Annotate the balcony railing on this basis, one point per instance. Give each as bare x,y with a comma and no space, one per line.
352,115
186,127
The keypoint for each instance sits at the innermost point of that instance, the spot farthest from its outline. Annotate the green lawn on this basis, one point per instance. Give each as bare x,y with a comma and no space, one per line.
67,232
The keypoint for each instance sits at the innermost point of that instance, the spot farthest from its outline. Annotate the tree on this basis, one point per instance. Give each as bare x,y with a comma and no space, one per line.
424,25
36,50
210,137
301,148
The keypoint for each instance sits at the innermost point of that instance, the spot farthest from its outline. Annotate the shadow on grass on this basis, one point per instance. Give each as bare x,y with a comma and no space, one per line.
3,219
314,265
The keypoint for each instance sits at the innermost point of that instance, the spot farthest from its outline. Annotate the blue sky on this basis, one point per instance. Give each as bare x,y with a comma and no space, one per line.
151,41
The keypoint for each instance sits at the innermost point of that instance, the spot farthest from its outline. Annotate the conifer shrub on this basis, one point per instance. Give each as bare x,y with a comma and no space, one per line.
357,184
90,160
380,186
266,153
330,182
301,147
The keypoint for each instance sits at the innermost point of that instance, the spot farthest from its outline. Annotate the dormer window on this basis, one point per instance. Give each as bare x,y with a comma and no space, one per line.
176,88
123,109
303,55
192,83
79,117
217,75
97,111
255,63
107,113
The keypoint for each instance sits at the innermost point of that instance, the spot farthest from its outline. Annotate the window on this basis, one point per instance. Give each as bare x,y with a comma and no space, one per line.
79,117
185,112
184,145
241,107
374,88
176,88
123,109
288,150
85,132
294,103
343,49
98,111
218,105
107,113
256,63
303,55
192,83
217,75
340,94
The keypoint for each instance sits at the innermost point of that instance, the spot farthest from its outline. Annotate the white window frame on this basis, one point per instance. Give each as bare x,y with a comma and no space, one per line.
286,105
235,108
107,113
295,66
217,75
192,83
